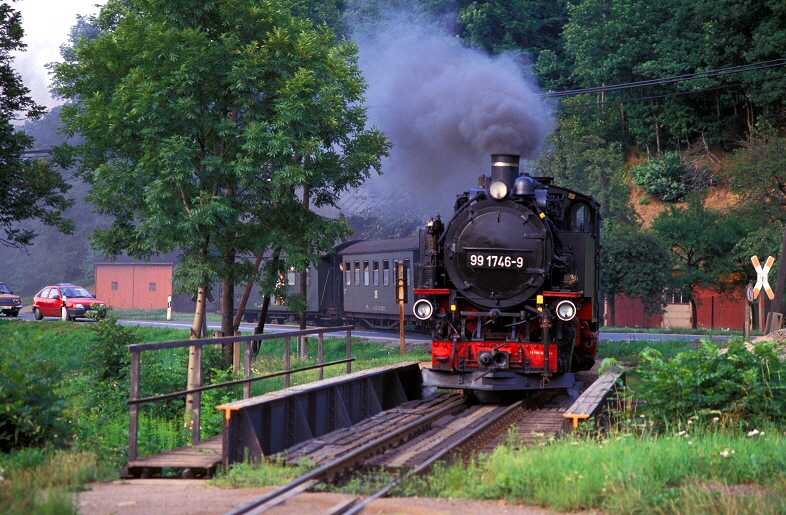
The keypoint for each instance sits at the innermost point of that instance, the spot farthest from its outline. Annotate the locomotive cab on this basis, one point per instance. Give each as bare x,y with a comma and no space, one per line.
509,285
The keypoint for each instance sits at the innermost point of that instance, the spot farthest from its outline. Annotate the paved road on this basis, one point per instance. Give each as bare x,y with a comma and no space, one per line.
371,335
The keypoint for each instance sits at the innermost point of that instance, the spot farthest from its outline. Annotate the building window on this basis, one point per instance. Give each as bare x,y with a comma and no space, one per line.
676,298
114,285
152,286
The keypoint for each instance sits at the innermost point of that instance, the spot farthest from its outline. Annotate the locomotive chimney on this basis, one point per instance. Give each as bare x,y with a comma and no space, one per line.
505,168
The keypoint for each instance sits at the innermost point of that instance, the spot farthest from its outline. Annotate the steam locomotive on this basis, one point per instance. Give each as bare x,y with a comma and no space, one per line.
509,285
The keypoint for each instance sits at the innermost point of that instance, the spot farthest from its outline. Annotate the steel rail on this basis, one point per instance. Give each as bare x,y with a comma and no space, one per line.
341,464
353,507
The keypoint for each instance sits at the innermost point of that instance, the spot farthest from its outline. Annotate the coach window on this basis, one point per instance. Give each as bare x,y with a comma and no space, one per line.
291,277
366,274
376,273
385,272
308,276
348,273
409,271
357,273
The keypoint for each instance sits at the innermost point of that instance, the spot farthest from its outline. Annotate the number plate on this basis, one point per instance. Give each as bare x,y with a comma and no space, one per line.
494,260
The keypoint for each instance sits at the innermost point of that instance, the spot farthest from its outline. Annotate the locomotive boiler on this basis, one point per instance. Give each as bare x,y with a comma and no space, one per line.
509,284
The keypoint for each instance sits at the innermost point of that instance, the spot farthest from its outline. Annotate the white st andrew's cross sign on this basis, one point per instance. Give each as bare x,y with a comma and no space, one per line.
761,277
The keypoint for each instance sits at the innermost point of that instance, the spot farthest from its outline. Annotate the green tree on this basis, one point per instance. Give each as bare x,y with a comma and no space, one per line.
505,25
701,241
628,41
582,155
634,263
757,171
30,189
27,272
204,123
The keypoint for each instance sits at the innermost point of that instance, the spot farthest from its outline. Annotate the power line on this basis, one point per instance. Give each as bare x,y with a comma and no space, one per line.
667,95
670,80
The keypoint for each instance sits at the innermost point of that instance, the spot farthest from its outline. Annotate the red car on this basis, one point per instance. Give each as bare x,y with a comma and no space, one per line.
66,301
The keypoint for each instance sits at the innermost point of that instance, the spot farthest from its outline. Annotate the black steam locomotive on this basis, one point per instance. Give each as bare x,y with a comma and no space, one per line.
509,284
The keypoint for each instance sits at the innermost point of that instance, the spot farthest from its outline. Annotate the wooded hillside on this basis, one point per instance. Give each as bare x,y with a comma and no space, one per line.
670,113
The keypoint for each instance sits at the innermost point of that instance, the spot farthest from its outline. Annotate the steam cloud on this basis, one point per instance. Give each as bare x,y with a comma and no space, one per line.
446,108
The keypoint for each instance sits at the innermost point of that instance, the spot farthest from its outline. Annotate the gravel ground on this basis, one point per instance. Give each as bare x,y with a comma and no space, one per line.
195,497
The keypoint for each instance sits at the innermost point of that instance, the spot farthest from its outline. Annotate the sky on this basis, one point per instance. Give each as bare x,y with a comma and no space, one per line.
46,24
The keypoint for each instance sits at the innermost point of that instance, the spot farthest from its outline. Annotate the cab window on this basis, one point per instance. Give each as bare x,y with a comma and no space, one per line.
580,218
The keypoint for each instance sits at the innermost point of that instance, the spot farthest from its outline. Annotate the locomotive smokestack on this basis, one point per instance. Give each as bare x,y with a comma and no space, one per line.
505,167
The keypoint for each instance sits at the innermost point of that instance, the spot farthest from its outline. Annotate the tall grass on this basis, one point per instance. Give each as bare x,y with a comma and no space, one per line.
706,472
97,413
40,481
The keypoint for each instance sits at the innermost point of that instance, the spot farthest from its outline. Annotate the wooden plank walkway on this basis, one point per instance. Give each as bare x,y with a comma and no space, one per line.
195,461
593,400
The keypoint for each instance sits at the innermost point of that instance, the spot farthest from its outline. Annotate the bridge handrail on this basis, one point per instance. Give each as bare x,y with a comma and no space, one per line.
195,393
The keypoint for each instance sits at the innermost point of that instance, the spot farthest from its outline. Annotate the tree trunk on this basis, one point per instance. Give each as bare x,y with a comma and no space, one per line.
194,368
228,306
241,308
260,328
303,340
694,313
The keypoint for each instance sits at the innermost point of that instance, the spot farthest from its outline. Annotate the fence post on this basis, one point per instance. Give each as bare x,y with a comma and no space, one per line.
321,354
349,350
133,418
247,368
197,396
236,355
286,361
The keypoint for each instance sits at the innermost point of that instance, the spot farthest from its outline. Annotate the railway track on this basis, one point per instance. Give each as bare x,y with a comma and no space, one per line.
400,443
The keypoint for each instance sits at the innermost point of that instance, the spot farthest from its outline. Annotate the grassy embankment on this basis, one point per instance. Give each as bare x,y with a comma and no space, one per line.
697,466
92,385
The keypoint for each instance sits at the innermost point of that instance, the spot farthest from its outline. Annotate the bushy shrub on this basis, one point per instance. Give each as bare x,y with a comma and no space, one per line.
31,409
741,385
663,177
108,357
669,178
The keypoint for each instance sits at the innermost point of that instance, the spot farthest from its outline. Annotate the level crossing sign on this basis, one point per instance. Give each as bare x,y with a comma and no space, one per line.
761,276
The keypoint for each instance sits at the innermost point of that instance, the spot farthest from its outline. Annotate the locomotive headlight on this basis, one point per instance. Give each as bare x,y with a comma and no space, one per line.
423,309
498,190
566,310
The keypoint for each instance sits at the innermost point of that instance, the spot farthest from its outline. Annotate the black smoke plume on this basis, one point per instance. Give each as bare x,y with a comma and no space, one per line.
446,108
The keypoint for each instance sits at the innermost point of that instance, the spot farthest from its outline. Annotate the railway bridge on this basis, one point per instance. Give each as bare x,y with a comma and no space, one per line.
304,416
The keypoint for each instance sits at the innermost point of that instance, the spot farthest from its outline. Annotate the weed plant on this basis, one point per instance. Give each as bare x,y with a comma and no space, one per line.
692,471
744,386
268,472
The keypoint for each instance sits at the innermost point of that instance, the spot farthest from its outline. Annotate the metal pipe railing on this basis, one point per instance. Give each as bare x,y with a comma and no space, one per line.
136,349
